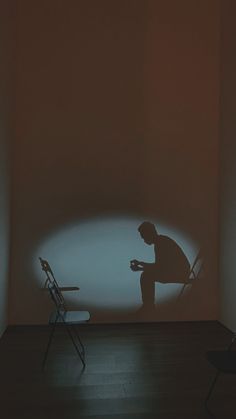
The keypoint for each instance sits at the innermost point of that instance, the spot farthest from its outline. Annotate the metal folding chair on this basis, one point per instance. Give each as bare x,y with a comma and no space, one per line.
61,315
225,362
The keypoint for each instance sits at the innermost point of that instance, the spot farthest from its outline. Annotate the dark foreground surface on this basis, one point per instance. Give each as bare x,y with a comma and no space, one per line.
133,371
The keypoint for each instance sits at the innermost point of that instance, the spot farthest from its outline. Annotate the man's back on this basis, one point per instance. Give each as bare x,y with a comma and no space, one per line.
171,262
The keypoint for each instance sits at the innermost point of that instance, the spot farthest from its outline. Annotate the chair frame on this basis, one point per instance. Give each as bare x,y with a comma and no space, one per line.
217,375
59,315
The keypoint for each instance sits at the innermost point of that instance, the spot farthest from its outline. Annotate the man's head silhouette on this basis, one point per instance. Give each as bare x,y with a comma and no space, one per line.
148,232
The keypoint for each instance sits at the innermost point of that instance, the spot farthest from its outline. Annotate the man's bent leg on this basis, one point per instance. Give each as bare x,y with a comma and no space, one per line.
147,284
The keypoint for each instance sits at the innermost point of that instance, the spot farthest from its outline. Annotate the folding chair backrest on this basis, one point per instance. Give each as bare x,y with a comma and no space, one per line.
57,297
50,278
52,285
196,267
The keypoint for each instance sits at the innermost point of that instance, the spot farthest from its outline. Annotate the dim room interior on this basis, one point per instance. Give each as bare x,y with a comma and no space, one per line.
113,113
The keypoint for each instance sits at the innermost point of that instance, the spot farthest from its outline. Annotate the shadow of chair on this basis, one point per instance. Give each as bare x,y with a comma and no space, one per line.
69,319
194,273
225,363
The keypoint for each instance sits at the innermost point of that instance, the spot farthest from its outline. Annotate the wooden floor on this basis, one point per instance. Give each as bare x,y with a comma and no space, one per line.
138,371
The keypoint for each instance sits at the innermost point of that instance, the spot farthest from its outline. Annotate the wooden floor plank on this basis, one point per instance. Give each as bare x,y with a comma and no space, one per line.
134,371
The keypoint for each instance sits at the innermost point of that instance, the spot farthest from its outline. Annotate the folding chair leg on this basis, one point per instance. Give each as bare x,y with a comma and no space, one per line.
73,341
49,344
80,341
211,389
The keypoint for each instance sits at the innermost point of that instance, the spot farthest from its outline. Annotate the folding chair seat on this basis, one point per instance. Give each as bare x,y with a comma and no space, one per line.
70,319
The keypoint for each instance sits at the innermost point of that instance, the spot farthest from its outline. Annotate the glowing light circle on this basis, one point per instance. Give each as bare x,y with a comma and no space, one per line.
95,255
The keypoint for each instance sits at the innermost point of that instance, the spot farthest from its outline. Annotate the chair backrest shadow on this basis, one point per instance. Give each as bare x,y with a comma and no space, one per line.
61,315
194,273
196,267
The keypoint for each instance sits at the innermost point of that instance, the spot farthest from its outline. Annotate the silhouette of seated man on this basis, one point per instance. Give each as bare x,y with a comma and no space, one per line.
170,266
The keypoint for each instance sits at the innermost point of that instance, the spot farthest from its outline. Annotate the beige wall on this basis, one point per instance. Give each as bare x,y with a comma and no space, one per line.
228,166
6,68
117,113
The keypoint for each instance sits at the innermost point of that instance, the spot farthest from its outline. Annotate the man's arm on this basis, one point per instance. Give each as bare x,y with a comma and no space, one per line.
137,265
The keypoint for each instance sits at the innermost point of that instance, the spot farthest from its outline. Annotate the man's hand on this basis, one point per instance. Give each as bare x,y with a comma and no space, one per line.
136,265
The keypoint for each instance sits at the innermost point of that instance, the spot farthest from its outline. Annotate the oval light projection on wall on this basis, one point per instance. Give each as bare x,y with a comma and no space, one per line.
95,255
